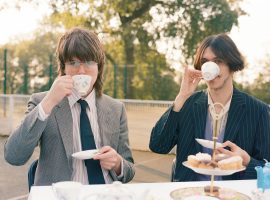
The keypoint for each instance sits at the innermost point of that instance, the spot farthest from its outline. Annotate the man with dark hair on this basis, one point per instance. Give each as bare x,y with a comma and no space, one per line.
62,121
245,127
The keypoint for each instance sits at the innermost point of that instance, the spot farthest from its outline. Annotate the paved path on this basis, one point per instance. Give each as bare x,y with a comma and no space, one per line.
150,167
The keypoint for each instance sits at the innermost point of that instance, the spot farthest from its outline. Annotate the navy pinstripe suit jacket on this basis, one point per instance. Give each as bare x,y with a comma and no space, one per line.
248,126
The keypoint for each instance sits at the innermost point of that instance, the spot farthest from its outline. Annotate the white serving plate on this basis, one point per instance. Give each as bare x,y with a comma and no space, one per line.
208,143
215,171
88,154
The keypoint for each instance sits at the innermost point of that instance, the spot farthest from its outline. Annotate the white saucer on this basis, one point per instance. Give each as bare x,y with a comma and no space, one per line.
215,171
208,143
88,154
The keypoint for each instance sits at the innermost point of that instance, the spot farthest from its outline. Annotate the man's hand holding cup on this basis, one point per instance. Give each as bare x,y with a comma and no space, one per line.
61,88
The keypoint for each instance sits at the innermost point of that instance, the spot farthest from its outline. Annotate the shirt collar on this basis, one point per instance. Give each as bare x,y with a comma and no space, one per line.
226,107
91,99
74,97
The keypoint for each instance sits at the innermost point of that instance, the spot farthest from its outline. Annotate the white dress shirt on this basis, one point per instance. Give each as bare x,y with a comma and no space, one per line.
223,120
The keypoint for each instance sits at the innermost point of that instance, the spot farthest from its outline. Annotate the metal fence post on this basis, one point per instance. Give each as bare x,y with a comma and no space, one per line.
5,71
11,111
114,81
25,79
125,81
5,79
50,71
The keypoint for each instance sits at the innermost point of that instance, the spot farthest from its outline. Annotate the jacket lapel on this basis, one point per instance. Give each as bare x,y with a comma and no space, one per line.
105,121
64,120
236,113
199,114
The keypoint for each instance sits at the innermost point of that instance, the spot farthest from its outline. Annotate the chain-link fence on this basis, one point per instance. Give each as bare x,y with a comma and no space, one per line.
142,116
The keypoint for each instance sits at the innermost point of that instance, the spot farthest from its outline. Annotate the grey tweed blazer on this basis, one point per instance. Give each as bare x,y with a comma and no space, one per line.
54,136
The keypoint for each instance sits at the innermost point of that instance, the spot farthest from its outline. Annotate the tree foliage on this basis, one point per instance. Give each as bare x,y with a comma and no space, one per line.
28,63
137,25
131,30
261,86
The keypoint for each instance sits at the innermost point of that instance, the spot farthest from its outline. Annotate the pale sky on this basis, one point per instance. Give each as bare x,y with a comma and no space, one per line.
252,36
20,23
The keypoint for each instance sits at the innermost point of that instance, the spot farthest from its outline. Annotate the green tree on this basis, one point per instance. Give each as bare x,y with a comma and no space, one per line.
28,63
14,72
134,25
260,88
131,31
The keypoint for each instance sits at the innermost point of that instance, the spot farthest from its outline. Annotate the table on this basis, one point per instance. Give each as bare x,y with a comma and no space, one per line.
161,190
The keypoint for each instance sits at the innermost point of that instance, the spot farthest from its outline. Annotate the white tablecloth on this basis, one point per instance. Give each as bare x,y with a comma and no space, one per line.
161,190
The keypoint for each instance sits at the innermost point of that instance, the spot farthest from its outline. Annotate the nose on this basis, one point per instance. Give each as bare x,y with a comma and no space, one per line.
81,69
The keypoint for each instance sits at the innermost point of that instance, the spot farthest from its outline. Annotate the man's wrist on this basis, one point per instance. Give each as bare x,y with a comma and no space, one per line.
41,114
179,102
117,168
47,105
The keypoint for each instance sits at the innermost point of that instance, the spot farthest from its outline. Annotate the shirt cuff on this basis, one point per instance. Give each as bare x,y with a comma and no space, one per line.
122,170
41,114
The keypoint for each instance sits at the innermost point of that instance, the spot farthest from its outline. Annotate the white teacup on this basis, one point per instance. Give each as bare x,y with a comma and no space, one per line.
82,83
67,190
210,70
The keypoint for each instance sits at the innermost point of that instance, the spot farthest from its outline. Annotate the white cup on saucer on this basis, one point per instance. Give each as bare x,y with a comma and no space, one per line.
210,70
67,190
82,83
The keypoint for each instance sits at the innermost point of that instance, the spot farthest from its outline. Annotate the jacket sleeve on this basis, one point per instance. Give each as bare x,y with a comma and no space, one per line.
165,132
23,140
124,150
261,149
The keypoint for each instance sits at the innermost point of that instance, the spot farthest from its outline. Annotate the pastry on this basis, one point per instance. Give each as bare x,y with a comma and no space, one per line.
203,156
209,164
193,161
221,156
199,160
231,163
222,161
205,165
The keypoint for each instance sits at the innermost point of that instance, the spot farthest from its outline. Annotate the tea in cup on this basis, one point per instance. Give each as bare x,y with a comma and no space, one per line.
67,190
82,83
210,70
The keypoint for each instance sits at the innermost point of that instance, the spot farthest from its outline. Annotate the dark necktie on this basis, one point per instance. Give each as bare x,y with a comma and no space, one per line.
95,175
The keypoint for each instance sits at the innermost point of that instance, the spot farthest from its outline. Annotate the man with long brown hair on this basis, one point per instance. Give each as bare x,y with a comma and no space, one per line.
245,127
62,121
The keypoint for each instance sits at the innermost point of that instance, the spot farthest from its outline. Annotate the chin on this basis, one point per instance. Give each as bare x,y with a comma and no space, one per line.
214,86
